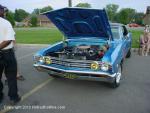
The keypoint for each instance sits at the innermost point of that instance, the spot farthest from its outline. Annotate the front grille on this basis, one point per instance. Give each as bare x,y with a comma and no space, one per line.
72,62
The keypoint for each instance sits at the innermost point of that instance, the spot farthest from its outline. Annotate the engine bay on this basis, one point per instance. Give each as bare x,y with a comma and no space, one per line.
81,52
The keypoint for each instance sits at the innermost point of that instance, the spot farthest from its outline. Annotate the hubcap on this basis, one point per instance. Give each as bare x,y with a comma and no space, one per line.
118,77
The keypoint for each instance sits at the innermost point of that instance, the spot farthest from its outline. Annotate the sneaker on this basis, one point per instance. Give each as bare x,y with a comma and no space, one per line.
15,101
20,77
1,97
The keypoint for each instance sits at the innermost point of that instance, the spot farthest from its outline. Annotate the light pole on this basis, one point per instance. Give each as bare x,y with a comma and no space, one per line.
70,3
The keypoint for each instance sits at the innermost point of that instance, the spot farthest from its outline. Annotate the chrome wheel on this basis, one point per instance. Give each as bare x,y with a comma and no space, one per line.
118,77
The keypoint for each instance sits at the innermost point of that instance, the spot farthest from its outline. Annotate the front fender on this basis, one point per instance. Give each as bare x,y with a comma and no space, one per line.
117,57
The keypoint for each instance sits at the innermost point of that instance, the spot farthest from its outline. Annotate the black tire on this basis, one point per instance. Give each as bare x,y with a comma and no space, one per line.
54,76
128,54
116,82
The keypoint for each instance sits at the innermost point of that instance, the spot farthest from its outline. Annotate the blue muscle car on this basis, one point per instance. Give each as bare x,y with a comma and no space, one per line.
92,48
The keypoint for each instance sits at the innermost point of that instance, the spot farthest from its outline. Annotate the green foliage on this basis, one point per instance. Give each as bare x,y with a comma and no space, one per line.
48,8
34,21
10,17
111,10
139,18
36,11
20,14
44,9
85,5
126,15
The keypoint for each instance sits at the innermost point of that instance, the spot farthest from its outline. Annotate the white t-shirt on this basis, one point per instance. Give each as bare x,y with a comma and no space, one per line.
6,32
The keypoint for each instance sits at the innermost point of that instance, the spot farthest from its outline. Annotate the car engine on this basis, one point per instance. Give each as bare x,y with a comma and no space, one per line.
81,52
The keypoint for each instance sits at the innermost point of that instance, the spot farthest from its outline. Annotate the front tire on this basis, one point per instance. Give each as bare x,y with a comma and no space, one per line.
128,54
116,82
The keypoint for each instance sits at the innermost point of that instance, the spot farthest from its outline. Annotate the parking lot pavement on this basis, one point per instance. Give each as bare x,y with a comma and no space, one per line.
74,96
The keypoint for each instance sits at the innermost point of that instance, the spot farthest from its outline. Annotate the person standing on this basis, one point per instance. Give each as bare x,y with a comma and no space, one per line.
145,42
8,62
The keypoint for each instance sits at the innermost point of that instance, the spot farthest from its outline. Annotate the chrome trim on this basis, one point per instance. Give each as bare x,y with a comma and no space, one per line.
72,62
78,72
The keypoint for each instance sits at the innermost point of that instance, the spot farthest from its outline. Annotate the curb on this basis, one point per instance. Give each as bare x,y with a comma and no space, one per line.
135,49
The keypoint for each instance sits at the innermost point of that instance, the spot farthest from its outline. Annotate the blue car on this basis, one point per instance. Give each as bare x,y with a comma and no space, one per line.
92,48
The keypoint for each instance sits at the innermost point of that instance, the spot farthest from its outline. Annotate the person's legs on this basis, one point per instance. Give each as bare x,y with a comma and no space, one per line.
147,49
1,84
11,73
1,73
143,50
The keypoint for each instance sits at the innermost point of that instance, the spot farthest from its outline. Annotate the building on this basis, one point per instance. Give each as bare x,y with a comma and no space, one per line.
146,19
43,21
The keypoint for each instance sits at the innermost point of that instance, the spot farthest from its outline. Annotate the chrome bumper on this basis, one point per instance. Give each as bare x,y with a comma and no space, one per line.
88,75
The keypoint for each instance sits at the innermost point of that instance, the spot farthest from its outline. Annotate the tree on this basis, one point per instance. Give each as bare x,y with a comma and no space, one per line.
86,5
20,14
48,8
36,11
10,17
126,15
139,18
34,20
111,10
44,9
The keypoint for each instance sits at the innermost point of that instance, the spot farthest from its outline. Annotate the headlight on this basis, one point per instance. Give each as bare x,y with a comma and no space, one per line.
42,60
95,65
47,60
105,67
37,58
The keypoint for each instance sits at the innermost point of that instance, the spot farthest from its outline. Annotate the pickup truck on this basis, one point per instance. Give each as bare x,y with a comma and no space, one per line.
92,47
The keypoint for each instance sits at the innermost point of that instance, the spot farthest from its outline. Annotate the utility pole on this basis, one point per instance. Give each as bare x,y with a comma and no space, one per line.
70,3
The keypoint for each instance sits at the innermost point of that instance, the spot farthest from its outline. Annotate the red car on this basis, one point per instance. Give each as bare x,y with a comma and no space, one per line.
134,25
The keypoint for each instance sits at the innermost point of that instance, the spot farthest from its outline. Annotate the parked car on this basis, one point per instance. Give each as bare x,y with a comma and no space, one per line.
93,48
134,25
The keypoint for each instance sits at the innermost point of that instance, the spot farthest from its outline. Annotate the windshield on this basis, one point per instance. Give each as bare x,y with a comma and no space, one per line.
115,32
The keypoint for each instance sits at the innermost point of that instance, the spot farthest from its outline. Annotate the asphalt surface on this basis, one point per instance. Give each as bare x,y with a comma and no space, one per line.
74,96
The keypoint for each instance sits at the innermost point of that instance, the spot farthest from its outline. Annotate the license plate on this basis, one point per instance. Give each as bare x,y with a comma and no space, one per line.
70,76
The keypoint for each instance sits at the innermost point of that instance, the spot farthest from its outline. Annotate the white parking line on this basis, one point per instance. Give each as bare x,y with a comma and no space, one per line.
31,54
28,94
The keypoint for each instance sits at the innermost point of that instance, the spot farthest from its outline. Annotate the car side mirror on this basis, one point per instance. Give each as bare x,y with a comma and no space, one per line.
125,33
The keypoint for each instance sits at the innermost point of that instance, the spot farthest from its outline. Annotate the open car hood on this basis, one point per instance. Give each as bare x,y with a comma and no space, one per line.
81,23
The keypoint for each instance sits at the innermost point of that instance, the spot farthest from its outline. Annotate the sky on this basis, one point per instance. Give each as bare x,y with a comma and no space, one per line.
29,5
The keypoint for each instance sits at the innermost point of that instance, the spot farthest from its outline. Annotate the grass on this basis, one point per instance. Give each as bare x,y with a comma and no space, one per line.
135,38
52,35
37,36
